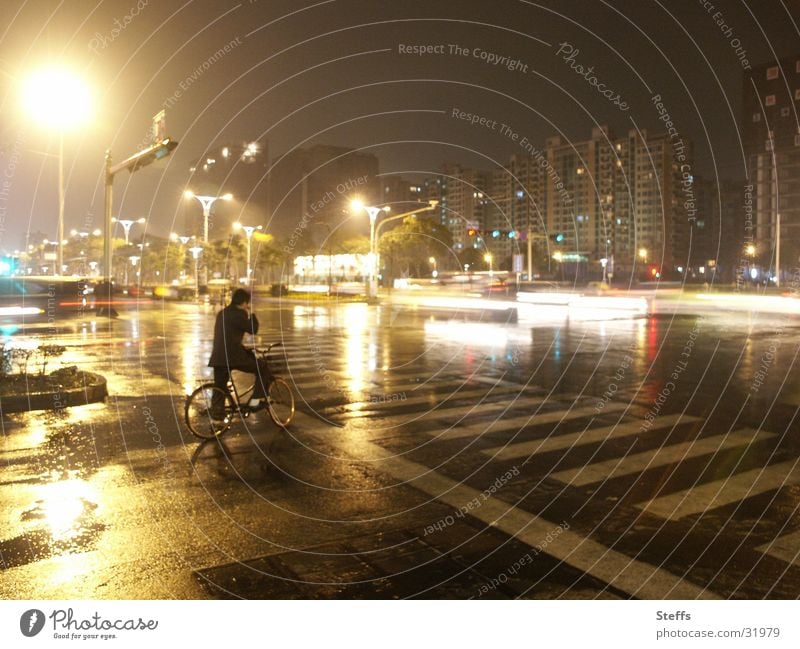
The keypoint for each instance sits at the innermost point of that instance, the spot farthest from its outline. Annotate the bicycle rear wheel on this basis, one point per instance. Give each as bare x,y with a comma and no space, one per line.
209,411
280,402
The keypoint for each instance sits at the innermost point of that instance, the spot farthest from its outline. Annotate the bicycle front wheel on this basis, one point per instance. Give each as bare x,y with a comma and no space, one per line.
209,411
280,402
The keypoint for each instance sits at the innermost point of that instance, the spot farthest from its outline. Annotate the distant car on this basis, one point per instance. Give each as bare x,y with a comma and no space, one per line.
30,298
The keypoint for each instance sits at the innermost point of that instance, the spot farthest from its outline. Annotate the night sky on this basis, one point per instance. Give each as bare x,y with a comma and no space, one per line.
299,73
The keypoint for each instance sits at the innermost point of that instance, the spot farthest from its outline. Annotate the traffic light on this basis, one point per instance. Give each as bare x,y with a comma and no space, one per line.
512,235
472,232
558,237
145,157
495,234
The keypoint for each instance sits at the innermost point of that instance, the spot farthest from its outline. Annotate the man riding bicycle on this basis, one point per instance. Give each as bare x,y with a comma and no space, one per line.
228,353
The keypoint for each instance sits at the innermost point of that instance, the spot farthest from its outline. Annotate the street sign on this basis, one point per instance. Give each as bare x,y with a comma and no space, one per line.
518,262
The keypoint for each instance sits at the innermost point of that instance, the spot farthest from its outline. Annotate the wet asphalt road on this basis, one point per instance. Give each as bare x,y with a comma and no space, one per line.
434,455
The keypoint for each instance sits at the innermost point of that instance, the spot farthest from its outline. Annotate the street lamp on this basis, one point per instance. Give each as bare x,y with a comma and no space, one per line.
373,212
207,202
127,224
248,230
183,241
196,250
643,254
488,259
134,259
356,206
59,100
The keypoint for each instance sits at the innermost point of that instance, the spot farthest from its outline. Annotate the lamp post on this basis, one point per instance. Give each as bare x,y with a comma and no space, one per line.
248,230
134,259
488,259
183,240
357,205
206,202
127,224
196,250
57,99
374,232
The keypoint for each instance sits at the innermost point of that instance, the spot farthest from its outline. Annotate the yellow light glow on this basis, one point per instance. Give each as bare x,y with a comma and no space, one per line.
643,253
227,197
356,205
188,193
751,250
56,98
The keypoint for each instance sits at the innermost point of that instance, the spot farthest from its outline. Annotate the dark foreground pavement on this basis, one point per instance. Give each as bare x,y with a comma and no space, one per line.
433,456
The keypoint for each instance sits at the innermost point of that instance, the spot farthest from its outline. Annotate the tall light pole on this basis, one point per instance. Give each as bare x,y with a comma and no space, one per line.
373,211
196,250
127,224
183,241
248,230
206,202
57,99
374,232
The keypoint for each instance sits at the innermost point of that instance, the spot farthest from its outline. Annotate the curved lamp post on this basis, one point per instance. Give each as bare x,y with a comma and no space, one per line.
59,100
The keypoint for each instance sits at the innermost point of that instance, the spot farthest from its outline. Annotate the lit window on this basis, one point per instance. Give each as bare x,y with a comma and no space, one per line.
520,193
770,100
772,73
756,117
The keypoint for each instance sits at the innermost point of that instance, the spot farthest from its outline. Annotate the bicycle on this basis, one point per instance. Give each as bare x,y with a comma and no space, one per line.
210,411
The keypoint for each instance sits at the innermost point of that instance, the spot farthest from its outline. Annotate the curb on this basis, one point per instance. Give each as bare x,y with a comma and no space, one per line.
95,390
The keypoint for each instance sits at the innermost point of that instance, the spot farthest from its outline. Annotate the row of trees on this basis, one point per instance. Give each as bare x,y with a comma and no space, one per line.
406,250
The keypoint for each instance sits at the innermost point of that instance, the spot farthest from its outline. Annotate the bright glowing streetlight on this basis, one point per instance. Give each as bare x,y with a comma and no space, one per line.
488,259
248,230
373,212
643,254
357,206
750,250
57,99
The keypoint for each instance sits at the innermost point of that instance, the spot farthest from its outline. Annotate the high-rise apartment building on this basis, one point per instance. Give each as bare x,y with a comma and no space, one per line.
771,139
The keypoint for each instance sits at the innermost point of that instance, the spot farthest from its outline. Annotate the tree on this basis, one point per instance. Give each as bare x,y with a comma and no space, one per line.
407,249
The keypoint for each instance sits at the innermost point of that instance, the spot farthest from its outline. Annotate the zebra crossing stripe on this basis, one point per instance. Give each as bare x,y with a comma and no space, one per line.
786,548
551,443
657,457
445,397
632,576
696,500
458,414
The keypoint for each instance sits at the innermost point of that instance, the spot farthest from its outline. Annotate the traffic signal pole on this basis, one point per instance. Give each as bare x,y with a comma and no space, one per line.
133,163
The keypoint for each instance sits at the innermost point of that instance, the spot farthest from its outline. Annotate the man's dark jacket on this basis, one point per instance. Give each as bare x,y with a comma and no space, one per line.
231,325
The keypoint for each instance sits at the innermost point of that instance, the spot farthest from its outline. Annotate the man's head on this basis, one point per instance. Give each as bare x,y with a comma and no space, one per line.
240,298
